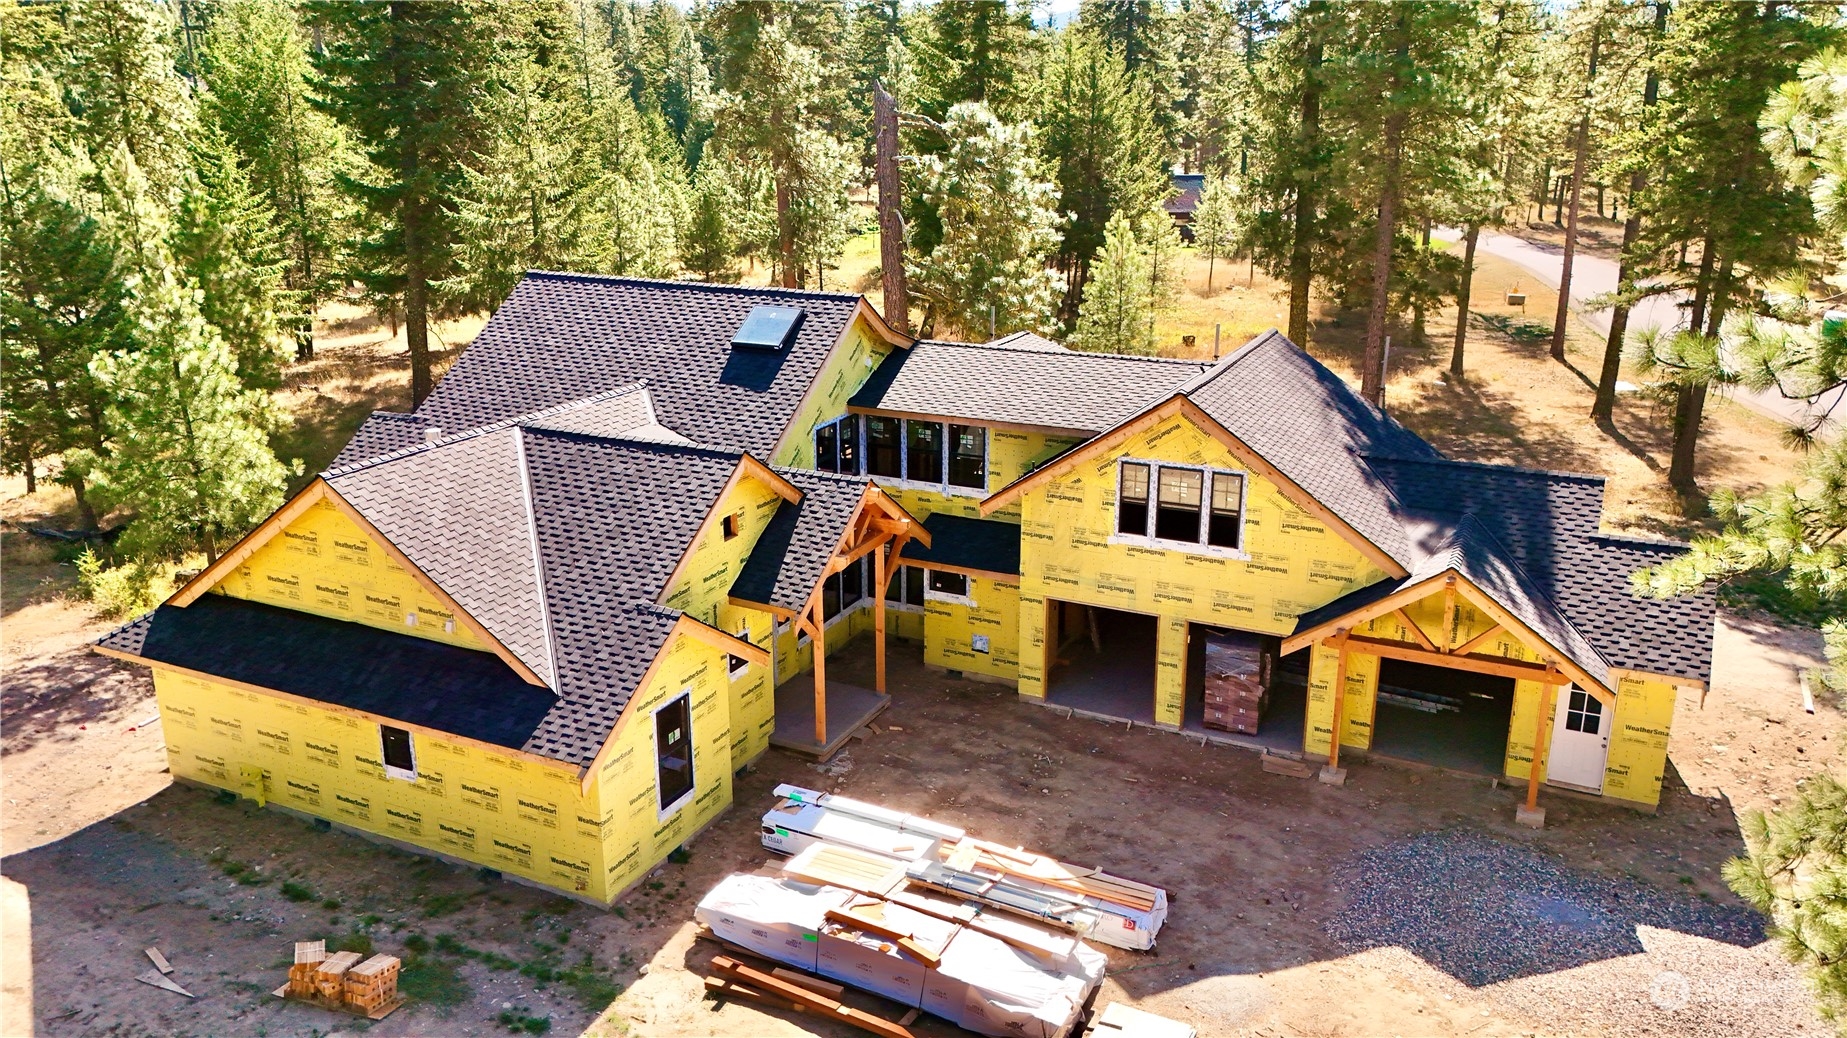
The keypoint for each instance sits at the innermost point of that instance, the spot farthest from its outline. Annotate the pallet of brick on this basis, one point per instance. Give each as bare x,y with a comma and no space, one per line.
330,977
372,987
308,958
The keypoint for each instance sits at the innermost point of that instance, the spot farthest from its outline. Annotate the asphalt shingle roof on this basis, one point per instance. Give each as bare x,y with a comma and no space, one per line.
560,337
381,433
1548,524
1021,384
1301,418
1187,187
969,543
792,553
415,680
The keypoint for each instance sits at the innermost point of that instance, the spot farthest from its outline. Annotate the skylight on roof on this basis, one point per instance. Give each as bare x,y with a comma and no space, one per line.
769,327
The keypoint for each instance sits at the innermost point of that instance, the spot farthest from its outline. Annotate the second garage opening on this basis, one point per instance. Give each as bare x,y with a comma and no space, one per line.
1450,718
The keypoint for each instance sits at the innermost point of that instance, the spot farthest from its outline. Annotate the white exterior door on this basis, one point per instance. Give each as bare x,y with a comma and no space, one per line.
1580,740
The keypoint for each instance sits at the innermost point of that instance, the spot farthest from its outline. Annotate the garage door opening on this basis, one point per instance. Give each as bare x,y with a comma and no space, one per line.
1101,661
1454,719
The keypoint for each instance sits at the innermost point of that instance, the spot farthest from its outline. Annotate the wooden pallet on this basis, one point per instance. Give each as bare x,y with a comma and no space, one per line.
736,979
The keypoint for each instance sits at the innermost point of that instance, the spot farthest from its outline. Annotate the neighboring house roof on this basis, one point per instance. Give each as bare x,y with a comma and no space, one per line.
415,680
561,337
1302,418
1029,341
1185,199
1021,384
792,552
962,542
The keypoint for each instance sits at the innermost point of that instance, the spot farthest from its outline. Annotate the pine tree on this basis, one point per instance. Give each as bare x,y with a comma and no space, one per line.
190,455
1712,186
1100,138
977,50
405,78
709,246
1217,221
771,81
999,228
255,68
1117,315
224,238
1795,873
120,77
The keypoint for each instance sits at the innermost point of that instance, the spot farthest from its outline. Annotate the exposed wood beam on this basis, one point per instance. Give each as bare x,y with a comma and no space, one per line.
879,575
1478,641
1477,664
783,488
967,571
853,554
819,645
1542,754
1531,638
1395,600
1617,673
1416,631
1339,642
1449,612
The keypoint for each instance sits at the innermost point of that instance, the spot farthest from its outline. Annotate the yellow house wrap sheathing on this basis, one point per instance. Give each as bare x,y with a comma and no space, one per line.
515,812
1291,562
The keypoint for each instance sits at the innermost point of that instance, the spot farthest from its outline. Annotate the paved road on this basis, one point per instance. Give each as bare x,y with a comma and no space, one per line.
1593,276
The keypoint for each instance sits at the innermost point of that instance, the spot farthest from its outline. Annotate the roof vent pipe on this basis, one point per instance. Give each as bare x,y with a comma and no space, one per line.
432,433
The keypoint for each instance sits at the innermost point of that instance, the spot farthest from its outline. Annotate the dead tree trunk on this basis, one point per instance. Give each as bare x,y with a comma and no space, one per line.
891,215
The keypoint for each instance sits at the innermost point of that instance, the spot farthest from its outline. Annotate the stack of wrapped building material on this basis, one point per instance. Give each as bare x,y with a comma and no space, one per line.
1235,683
914,951
1085,901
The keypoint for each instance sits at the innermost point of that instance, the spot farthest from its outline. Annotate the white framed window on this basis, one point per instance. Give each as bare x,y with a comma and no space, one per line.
673,752
946,457
944,586
837,446
398,751
1189,507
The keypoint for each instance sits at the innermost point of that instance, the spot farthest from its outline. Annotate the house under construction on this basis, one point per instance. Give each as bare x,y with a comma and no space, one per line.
539,623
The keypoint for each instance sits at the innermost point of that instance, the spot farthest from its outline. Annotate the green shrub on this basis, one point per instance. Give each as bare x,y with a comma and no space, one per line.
434,982
123,591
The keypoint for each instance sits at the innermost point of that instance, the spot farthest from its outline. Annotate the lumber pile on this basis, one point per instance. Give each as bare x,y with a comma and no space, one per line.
856,842
346,981
1236,683
784,989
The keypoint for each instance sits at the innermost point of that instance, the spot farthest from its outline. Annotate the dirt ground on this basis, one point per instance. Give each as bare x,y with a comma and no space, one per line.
103,856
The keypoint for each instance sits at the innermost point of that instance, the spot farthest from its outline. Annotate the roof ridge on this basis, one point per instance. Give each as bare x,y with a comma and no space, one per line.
538,561
634,385
1225,363
701,285
1002,347
628,442
1494,466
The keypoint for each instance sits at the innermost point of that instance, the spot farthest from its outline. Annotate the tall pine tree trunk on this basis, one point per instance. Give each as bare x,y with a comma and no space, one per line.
1603,408
1372,372
785,235
891,216
417,304
1690,400
1560,319
1301,248
1462,297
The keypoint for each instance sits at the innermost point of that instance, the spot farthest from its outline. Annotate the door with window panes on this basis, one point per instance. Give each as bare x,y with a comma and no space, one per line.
1580,740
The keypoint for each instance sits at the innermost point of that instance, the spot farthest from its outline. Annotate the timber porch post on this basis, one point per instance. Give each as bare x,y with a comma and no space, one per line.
819,641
